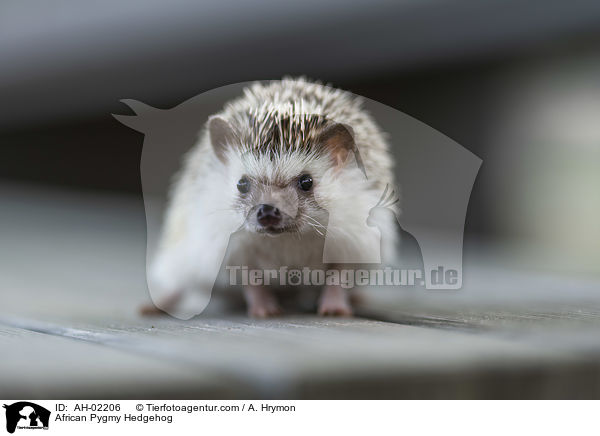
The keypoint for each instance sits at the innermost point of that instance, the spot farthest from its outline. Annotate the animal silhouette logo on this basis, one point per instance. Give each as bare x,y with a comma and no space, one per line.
26,415
435,175
386,211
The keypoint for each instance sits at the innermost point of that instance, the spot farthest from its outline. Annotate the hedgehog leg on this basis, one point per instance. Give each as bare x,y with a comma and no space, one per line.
334,301
168,303
261,302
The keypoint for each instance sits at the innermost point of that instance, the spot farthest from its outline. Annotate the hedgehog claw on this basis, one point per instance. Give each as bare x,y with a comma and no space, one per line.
334,302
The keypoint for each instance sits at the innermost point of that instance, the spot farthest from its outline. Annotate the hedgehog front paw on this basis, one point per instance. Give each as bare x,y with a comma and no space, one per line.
261,303
334,302
163,306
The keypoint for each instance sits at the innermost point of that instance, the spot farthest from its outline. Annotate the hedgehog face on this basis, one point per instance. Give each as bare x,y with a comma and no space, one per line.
276,194
279,165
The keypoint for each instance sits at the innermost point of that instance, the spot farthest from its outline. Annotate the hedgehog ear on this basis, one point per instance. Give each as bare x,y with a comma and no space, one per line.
221,136
338,139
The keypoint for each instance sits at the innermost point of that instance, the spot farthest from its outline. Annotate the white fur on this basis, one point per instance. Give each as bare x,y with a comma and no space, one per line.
203,210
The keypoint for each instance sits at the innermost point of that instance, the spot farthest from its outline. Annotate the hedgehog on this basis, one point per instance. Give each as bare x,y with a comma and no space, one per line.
283,177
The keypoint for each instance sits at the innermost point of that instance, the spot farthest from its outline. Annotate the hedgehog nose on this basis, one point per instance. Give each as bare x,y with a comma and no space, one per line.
268,215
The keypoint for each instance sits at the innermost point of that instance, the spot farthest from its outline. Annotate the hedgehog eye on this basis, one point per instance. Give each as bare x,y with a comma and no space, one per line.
243,185
305,182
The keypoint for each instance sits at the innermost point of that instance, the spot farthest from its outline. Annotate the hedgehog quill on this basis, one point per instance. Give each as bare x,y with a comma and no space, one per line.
283,176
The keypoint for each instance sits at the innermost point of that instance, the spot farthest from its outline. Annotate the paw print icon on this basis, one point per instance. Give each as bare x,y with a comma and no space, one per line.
294,277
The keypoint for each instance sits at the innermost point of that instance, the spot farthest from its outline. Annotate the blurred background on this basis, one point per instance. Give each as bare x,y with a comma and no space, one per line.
514,82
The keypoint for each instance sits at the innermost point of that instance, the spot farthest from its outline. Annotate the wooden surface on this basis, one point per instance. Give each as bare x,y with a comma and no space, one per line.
72,277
